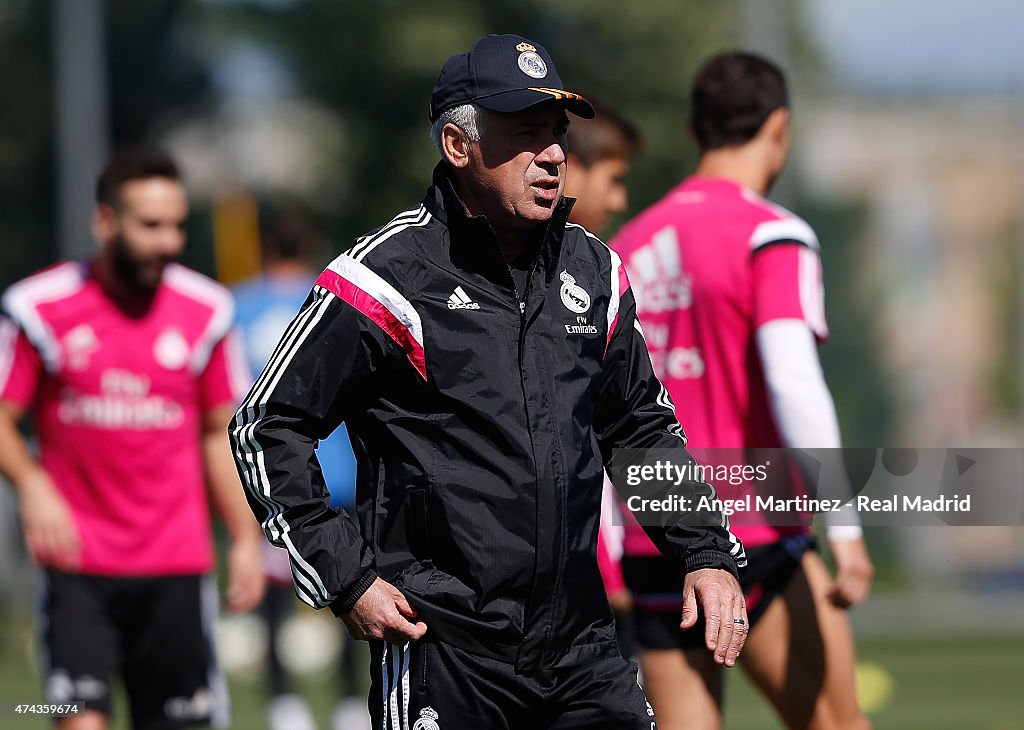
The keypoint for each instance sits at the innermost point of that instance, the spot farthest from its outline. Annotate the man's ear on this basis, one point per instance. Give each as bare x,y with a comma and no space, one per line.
776,126
104,222
455,146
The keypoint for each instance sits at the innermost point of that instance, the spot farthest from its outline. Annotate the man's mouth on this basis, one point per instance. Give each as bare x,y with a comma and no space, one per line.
545,188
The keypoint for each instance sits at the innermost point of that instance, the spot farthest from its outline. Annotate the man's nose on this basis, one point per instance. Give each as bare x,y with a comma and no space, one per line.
172,239
553,154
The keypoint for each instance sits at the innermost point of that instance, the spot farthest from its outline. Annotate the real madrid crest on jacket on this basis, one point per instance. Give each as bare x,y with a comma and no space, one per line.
481,421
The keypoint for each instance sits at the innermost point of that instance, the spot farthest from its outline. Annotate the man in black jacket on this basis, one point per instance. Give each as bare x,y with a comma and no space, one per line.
487,360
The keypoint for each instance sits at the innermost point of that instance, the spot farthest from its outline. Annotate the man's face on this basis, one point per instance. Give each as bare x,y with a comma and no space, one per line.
600,191
517,169
146,231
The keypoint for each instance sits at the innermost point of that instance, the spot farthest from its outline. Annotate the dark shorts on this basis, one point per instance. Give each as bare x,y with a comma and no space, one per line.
428,685
156,633
657,597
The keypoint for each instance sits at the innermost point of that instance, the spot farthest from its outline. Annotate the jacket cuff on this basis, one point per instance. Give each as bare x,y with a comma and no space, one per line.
711,559
344,602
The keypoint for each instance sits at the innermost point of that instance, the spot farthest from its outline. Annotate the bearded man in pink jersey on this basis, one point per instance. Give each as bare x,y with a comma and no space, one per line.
132,369
730,297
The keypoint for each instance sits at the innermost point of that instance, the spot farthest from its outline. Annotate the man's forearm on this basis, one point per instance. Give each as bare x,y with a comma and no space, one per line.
17,464
225,490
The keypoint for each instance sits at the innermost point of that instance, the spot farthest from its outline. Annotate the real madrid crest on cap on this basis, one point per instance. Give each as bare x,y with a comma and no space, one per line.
428,720
530,61
501,73
575,298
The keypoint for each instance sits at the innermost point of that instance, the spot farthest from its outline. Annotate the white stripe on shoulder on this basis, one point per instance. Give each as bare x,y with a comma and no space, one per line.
616,295
408,219
406,214
362,276
22,300
195,285
577,225
200,288
8,347
790,228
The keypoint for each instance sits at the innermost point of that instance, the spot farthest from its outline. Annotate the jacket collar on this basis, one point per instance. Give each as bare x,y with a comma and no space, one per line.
473,243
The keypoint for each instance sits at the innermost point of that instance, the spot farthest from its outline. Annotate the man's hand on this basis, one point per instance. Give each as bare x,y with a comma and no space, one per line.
50,533
247,581
621,601
853,572
383,613
719,596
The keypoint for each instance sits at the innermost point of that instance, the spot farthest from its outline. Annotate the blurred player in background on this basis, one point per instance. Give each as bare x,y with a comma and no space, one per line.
600,152
729,292
599,155
132,369
266,305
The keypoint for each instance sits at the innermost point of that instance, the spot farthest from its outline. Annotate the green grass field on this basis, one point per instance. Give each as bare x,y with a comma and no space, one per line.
941,683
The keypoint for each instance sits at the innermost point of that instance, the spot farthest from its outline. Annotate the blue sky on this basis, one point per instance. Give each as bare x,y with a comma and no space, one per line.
922,46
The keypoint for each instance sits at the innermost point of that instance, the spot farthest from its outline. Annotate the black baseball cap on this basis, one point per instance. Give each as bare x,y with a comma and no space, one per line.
503,73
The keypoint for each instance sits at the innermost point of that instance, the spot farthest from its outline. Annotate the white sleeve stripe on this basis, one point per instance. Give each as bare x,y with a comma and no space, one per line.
239,376
274,524
218,299
22,299
616,295
785,229
811,291
309,585
8,349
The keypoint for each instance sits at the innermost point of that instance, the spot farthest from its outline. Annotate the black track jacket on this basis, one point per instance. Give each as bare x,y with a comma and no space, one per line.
481,426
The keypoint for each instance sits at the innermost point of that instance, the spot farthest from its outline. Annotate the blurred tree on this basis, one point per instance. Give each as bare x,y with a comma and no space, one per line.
376,62
156,64
26,140
851,358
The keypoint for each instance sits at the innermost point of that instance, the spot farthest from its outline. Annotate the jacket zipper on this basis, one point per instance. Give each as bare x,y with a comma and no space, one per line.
533,451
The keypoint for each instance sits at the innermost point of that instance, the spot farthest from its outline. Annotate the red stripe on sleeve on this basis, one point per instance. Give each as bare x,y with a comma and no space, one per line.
372,308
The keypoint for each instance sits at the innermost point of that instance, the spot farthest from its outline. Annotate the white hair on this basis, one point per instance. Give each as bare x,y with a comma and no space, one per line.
467,117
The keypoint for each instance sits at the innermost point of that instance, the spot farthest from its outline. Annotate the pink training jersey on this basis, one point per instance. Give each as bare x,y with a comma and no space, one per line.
119,402
709,264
